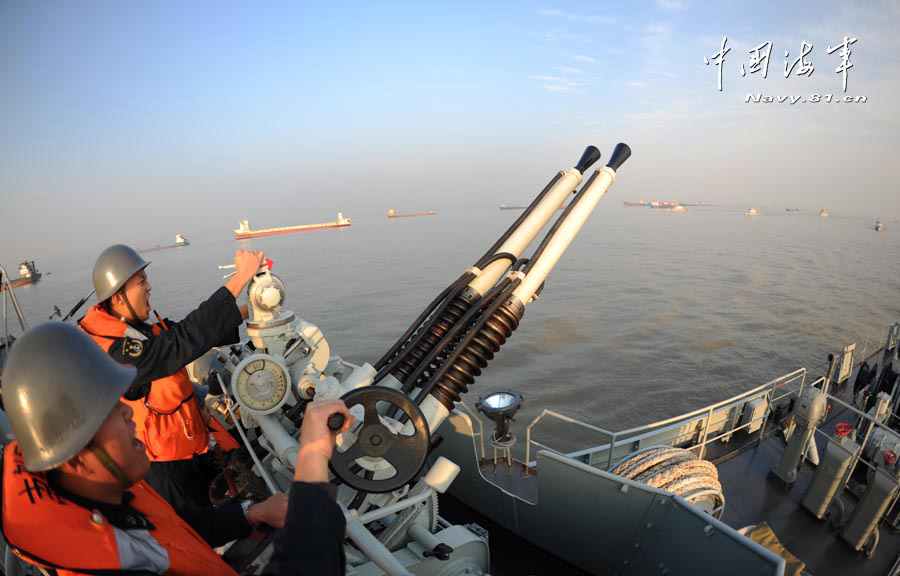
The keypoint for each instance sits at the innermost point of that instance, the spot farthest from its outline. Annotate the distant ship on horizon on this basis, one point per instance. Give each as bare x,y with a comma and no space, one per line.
243,231
28,273
180,241
392,214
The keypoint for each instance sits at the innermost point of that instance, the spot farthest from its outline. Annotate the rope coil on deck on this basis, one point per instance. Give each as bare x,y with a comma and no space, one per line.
679,471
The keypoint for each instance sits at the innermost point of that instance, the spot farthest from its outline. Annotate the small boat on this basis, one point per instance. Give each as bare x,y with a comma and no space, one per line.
631,204
392,214
512,206
28,273
244,231
823,213
678,208
751,212
180,241
878,226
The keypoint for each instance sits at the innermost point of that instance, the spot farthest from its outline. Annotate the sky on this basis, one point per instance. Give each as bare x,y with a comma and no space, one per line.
130,121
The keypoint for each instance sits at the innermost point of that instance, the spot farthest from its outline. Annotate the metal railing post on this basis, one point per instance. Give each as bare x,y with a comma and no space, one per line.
705,432
762,431
612,448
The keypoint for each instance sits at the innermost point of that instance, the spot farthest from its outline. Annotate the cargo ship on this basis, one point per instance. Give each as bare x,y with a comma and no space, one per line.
392,214
632,204
28,273
243,231
656,204
180,241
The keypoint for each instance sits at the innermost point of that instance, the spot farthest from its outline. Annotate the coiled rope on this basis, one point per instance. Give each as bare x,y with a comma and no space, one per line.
679,471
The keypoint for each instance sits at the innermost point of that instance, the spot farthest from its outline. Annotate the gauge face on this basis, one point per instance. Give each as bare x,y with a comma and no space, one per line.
261,383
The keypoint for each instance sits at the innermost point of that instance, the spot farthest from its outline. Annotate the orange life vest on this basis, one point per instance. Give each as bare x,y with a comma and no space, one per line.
168,419
44,528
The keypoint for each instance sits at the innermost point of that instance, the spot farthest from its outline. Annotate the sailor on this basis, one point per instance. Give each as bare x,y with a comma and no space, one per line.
73,497
170,421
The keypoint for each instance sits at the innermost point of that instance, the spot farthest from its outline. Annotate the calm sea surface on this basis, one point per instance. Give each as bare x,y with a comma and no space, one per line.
648,315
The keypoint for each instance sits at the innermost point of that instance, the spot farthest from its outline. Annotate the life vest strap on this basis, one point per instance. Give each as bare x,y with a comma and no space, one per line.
170,412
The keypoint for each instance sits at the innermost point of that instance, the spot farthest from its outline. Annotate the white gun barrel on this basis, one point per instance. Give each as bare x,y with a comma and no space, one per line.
446,386
535,221
428,337
584,205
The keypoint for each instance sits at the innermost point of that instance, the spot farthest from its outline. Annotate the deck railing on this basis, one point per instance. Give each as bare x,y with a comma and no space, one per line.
717,422
8,289
694,429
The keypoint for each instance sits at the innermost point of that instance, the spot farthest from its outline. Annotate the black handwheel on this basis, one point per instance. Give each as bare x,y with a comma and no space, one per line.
405,453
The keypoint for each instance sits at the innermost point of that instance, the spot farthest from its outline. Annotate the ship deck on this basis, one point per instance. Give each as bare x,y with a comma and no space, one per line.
753,496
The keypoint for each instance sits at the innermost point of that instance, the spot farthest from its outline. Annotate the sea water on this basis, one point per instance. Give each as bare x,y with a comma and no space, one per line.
648,315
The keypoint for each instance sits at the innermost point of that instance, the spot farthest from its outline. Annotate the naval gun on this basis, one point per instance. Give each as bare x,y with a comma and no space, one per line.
398,403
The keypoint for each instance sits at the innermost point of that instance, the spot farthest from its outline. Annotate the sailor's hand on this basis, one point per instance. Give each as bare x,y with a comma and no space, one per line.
317,440
272,511
246,265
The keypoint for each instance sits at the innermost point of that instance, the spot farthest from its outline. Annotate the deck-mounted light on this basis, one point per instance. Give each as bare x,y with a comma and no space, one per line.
501,407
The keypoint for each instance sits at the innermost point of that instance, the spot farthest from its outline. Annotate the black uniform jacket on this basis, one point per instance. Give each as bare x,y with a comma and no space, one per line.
312,540
214,323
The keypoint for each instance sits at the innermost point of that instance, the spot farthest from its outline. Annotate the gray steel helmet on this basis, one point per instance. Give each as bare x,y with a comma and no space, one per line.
58,389
114,267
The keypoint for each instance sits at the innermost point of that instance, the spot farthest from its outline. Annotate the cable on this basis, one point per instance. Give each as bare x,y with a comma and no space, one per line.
417,352
418,322
447,343
476,350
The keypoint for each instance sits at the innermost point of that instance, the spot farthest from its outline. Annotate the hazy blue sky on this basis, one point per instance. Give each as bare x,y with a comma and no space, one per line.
130,121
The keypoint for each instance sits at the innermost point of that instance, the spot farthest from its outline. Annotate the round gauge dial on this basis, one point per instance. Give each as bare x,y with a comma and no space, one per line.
261,383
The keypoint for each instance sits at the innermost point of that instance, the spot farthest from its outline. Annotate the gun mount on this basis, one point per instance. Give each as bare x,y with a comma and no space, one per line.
391,506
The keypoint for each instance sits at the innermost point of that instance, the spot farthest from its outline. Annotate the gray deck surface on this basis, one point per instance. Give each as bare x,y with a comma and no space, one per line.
752,496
